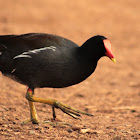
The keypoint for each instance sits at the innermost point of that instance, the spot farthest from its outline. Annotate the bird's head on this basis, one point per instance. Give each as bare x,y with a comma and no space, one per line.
99,46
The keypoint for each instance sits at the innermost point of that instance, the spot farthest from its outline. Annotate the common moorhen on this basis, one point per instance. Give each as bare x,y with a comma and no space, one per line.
43,60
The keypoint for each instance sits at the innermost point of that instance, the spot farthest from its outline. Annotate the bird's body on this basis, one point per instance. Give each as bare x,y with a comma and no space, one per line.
44,60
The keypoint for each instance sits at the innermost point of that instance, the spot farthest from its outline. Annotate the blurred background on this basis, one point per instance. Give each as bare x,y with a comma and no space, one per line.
112,85
77,20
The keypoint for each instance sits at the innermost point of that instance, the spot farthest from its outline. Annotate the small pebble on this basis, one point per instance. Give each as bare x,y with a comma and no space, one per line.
88,130
31,132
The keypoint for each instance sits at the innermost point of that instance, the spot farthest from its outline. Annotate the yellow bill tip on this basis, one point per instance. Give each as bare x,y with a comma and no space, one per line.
113,59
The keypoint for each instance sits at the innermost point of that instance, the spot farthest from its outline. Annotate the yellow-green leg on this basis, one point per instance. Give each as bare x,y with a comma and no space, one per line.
54,103
34,118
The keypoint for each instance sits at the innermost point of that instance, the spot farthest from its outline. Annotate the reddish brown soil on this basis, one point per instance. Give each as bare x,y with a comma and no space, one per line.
112,93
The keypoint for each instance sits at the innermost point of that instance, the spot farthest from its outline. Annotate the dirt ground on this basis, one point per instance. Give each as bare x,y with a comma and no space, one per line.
112,93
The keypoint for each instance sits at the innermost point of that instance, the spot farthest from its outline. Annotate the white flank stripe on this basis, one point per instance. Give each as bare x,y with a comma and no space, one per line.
0,53
13,70
41,49
27,54
22,55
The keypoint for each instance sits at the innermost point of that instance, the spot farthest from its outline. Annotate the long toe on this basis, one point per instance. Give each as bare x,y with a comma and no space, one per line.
75,113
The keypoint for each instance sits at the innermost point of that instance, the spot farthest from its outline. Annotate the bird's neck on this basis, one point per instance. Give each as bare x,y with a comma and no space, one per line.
88,54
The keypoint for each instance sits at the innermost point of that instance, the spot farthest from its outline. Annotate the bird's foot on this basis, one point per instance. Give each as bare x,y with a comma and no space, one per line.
34,121
75,113
51,122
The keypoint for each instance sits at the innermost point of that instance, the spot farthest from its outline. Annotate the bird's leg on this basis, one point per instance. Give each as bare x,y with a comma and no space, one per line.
34,118
55,104
53,110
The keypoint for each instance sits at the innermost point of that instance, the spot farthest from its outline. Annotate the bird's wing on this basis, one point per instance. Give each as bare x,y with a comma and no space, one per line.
18,44
30,41
36,52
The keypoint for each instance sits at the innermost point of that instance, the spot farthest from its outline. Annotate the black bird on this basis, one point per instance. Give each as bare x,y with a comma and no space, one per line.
40,60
